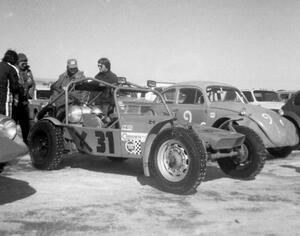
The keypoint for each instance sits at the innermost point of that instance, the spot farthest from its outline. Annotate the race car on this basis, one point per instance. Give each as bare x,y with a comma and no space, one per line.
11,145
213,104
122,121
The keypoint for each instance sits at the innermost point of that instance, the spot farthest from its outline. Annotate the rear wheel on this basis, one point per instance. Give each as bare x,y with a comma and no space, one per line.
46,145
280,152
178,160
251,162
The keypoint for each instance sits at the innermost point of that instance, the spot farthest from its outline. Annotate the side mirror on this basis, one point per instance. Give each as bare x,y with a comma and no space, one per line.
151,83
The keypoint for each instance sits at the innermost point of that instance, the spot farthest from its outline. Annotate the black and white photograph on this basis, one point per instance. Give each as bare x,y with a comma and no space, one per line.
149,117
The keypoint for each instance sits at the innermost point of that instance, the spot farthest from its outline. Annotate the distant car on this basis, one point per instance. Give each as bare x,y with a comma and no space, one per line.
11,145
286,94
40,98
291,111
214,103
121,121
265,98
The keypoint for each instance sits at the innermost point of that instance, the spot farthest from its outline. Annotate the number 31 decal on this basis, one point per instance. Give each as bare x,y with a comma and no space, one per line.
101,141
187,115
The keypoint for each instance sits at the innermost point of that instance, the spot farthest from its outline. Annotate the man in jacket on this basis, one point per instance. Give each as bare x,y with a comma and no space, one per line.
72,73
8,76
20,108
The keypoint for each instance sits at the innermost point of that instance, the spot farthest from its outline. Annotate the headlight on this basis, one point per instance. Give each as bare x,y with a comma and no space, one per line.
281,112
75,114
8,127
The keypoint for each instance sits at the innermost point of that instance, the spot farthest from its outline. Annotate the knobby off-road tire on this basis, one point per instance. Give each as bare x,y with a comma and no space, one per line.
46,145
253,160
178,160
280,152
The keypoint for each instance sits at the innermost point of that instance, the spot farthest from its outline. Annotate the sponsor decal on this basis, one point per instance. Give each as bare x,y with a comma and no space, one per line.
127,127
133,147
126,136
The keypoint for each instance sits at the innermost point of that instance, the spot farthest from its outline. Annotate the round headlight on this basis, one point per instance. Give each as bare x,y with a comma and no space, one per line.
8,128
75,114
281,112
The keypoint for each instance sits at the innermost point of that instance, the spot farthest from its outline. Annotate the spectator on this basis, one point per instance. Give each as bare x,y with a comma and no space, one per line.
20,108
8,76
72,73
105,73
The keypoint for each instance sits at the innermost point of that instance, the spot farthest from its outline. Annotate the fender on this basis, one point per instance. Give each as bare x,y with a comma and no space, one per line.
53,120
292,116
150,138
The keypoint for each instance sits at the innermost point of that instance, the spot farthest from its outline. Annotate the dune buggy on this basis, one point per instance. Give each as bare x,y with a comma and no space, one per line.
135,122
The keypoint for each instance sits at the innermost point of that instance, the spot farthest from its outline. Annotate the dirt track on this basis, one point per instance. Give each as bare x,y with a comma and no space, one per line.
92,196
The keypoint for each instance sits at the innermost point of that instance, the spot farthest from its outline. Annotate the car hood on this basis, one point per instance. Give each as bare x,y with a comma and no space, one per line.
270,105
280,131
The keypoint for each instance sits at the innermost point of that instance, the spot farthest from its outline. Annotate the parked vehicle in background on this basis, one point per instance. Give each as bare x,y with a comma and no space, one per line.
214,103
291,111
11,145
265,98
40,98
159,86
286,94
129,125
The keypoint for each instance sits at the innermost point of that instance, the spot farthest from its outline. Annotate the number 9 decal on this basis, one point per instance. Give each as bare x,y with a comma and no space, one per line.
187,115
267,117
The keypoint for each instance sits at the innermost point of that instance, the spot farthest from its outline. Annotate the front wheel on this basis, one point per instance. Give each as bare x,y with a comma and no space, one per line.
280,152
251,162
46,145
178,160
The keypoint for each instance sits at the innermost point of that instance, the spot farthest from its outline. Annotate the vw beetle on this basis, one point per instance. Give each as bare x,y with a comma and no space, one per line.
214,103
127,121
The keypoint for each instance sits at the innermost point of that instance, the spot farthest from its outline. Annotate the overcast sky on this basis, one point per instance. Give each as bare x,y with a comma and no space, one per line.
247,43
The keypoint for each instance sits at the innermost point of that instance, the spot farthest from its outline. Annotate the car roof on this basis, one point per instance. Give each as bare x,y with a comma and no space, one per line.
201,84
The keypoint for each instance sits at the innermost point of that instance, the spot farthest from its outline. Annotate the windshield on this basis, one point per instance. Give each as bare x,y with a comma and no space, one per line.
224,94
141,102
266,96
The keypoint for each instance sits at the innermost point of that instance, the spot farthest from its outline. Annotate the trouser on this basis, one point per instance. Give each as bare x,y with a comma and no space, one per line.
20,114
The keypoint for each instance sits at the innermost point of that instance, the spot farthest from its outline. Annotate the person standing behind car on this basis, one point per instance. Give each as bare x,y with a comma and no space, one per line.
72,73
8,77
20,105
106,75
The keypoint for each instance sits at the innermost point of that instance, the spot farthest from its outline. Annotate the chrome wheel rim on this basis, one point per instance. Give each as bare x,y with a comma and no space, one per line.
173,160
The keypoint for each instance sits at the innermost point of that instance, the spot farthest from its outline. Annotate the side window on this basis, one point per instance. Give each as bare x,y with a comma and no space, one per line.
199,97
248,95
297,100
187,96
169,96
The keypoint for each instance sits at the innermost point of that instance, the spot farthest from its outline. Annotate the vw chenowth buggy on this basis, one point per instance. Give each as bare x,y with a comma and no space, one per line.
135,122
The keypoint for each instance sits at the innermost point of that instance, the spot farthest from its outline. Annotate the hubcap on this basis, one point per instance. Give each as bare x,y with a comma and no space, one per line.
173,160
